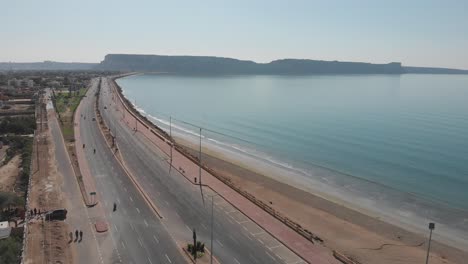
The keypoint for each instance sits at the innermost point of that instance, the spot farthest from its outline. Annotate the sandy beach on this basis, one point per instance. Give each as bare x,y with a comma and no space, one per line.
367,239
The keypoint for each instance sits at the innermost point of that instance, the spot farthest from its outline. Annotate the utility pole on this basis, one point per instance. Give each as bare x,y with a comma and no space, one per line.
170,137
211,246
194,248
199,160
136,121
431,227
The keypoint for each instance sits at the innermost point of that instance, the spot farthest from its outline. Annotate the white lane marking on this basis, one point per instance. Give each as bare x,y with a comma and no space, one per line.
138,210
270,255
252,257
131,198
273,247
236,261
166,203
203,226
146,223
123,244
243,222
156,239
188,227
133,227
150,260
125,188
233,239
139,241
219,243
168,258
115,227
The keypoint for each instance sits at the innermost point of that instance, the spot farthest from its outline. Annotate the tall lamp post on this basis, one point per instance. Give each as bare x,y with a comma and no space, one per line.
431,227
212,220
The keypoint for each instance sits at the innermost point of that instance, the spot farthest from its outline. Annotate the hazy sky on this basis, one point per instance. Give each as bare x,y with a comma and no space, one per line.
417,33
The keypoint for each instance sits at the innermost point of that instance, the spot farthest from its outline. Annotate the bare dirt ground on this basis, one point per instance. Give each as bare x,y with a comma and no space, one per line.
9,174
47,241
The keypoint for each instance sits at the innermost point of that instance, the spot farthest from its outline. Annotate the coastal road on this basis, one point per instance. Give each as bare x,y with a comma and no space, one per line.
136,234
237,239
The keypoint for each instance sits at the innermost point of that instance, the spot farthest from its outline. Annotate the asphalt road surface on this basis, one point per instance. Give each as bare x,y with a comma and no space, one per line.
137,235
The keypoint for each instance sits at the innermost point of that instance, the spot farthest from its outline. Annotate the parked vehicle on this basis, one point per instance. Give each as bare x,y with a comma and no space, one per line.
58,214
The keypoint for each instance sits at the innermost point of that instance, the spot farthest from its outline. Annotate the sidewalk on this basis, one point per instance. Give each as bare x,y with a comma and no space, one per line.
291,239
87,178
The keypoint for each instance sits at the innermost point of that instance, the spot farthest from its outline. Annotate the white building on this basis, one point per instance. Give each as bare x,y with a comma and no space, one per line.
5,230
30,83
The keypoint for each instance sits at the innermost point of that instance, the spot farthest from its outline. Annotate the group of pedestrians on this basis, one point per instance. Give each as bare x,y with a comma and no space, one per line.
34,212
78,235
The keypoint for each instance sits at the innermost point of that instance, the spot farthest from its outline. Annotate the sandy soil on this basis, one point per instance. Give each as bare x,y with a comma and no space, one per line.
362,237
9,174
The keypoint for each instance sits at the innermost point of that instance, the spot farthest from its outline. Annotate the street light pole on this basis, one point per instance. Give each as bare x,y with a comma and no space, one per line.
199,160
211,246
431,227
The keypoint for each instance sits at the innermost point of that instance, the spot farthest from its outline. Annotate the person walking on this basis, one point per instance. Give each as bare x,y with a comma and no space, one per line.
76,235
81,235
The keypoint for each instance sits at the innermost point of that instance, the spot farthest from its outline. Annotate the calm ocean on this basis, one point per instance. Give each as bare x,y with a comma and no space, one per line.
391,141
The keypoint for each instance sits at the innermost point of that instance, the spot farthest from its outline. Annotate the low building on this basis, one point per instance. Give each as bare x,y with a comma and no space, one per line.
30,83
5,230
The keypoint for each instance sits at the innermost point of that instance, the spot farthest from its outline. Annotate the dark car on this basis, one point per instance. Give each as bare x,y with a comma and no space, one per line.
59,214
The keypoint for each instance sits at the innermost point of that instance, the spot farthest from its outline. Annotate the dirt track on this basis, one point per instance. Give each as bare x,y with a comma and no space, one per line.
47,241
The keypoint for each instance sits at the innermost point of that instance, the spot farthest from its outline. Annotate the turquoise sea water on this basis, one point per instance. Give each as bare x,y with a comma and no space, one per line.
399,139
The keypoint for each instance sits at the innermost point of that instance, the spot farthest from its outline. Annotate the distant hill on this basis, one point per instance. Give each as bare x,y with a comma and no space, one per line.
428,70
219,65
47,65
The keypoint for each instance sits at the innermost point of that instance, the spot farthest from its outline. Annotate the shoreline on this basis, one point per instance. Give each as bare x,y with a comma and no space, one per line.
272,190
297,204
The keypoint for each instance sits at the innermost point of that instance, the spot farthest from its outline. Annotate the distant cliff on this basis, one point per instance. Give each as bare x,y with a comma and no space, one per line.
219,65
